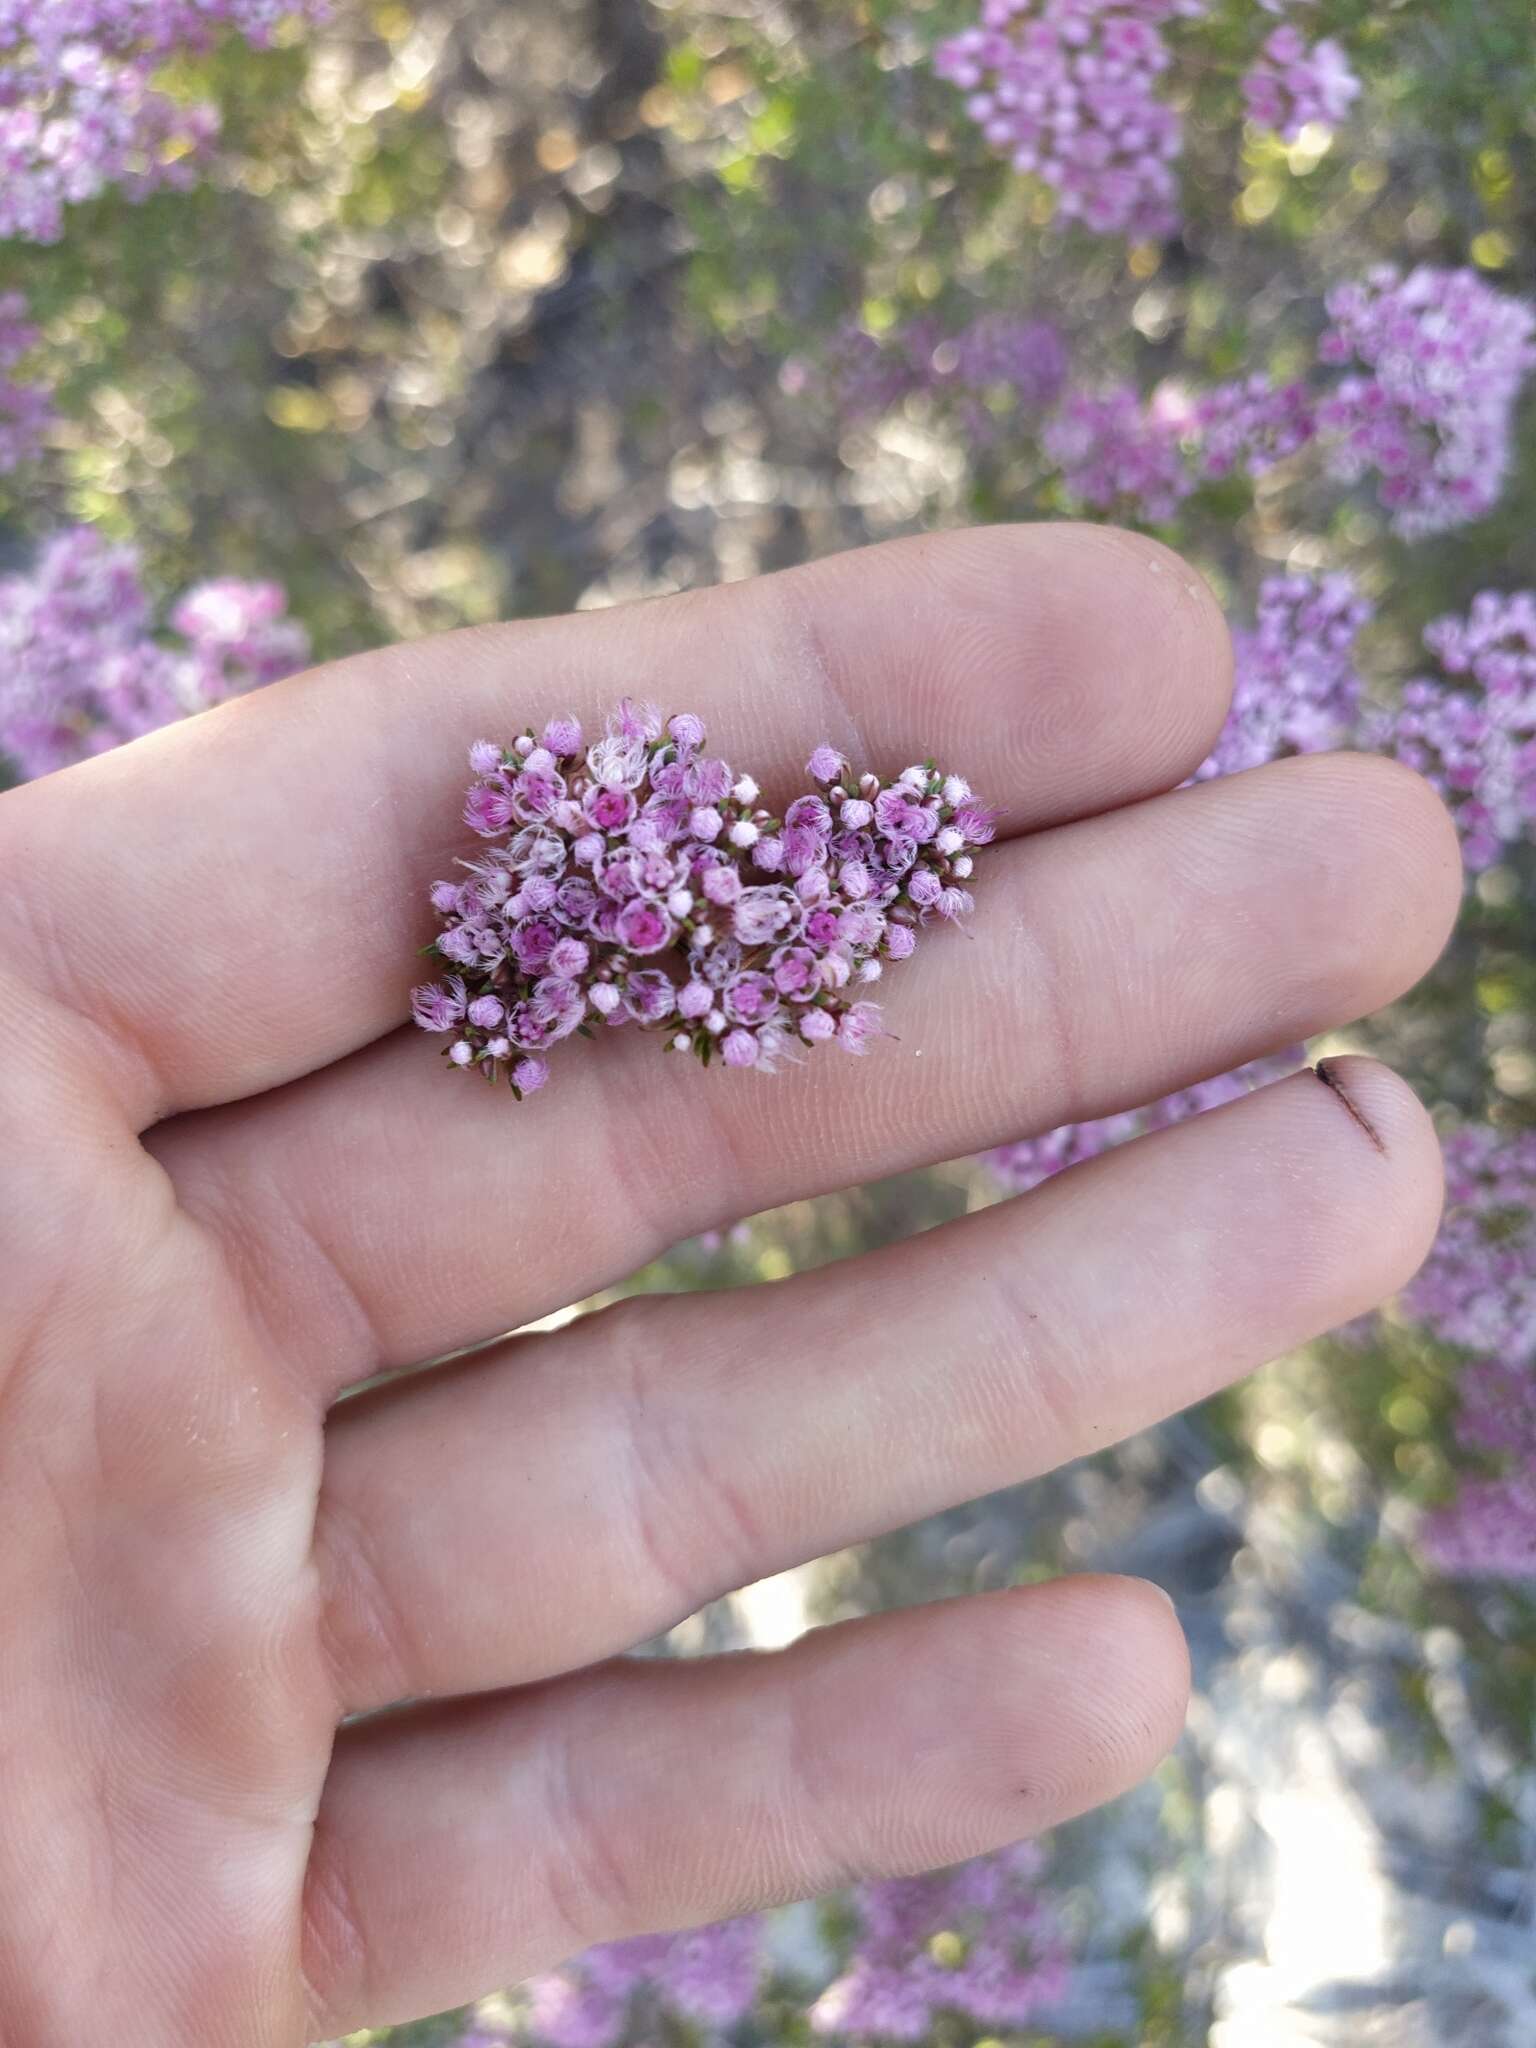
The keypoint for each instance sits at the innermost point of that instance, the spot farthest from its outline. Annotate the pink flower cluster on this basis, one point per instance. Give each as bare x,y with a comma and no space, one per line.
1472,729
1296,688
638,880
1477,1290
1021,358
1250,425
1433,366
80,106
1118,455
25,408
708,1977
977,1942
81,668
1068,91
1292,82
1478,1286
1030,1161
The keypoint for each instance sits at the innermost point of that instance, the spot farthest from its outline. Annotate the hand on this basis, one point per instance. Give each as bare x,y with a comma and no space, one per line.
232,1186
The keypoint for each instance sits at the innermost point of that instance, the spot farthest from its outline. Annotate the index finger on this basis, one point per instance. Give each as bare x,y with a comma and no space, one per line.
236,901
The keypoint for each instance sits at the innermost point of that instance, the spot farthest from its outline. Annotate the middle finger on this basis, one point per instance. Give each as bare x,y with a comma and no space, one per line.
384,1212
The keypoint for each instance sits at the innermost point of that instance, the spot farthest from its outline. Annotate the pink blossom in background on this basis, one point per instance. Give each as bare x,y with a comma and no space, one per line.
980,1941
1489,1530
81,668
1433,364
1477,1290
1029,1161
1472,729
1293,82
1296,689
81,106
1478,1286
1068,91
1249,425
1120,455
239,635
1014,355
707,1976
26,409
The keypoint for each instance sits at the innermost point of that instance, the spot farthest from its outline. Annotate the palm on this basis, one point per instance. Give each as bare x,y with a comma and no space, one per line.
206,1566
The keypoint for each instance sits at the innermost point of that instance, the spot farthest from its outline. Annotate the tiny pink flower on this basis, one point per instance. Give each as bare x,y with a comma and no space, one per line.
739,1049
563,736
569,957
644,928
487,810
722,885
687,731
859,1027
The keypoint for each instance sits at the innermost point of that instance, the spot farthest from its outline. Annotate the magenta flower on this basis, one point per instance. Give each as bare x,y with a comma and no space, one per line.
1068,91
1293,82
979,1942
642,848
83,668
1432,366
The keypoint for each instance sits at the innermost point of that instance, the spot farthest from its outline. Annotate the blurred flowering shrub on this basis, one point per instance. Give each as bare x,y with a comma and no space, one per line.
1477,1291
84,105
709,1977
979,1943
25,407
84,667
1413,385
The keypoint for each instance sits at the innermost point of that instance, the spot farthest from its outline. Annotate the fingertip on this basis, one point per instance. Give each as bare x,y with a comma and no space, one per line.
1390,1119
1120,1672
1094,666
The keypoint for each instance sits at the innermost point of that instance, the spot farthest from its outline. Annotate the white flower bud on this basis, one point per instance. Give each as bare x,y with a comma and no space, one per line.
963,866
461,1054
744,833
956,789
523,745
680,902
714,1023
949,840
745,790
